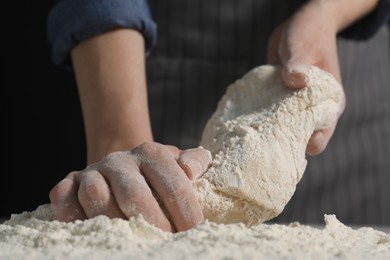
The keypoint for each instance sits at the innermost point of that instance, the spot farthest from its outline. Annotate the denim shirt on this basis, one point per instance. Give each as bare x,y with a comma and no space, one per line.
370,24
71,21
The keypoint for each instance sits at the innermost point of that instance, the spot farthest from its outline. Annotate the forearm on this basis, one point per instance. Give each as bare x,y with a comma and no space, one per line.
342,13
110,74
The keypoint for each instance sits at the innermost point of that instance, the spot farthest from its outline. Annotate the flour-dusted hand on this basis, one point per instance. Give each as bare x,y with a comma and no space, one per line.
308,38
152,179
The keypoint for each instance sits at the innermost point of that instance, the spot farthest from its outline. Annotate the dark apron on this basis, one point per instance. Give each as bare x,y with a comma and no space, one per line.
203,46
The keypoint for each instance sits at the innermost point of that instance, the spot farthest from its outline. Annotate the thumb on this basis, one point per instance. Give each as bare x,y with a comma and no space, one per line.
296,58
295,73
195,162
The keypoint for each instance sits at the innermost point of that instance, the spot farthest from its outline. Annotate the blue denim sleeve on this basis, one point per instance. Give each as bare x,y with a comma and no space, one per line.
71,21
370,24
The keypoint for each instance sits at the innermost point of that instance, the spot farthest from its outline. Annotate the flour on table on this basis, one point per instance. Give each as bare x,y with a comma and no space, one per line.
35,236
258,137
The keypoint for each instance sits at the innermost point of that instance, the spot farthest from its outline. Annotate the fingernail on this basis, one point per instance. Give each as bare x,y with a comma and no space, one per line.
300,68
316,144
296,76
208,153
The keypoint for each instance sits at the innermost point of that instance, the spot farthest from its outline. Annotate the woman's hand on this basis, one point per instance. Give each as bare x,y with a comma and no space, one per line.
152,179
309,38
306,39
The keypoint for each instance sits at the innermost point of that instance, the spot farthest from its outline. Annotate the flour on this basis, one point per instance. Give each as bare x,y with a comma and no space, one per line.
34,235
258,137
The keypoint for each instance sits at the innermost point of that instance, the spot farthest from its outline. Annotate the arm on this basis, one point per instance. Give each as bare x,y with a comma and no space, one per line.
309,38
370,24
344,13
128,174
110,74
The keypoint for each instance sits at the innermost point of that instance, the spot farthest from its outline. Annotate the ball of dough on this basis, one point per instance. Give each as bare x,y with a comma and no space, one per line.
257,137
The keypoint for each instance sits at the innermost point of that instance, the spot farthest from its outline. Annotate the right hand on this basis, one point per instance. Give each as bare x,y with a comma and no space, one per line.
298,44
152,179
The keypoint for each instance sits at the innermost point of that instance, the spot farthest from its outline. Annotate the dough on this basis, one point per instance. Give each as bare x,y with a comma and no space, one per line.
257,137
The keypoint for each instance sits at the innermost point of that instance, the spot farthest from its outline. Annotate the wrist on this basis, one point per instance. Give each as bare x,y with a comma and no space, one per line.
111,79
100,147
341,14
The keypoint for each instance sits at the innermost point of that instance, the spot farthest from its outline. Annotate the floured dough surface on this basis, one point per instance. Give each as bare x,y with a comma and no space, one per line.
34,236
257,137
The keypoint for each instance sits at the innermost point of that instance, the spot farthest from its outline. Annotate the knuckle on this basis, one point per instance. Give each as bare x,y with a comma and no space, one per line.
131,195
205,153
111,158
132,201
149,150
61,190
92,194
116,161
178,193
56,193
72,174
145,147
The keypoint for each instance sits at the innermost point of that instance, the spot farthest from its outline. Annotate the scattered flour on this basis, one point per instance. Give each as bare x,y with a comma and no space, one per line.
258,137
33,235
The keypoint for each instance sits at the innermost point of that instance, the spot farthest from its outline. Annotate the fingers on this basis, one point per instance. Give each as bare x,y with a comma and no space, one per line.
64,200
283,50
295,73
174,150
307,40
151,180
319,140
131,190
297,64
296,58
95,196
303,42
273,45
171,184
195,162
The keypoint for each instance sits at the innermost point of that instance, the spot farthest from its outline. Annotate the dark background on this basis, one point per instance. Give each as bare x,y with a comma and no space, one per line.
42,125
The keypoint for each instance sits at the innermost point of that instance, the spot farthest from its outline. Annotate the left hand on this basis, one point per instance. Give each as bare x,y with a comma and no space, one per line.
152,179
306,39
